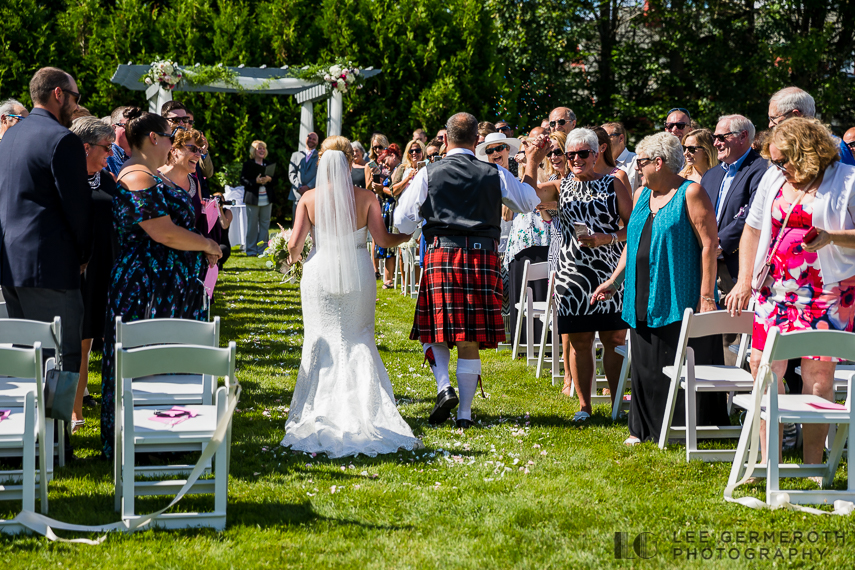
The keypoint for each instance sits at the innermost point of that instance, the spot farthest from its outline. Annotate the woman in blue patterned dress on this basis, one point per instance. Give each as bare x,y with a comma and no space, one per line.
161,255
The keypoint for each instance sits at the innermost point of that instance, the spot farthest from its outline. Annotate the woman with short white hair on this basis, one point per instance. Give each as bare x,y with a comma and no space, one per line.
592,208
669,265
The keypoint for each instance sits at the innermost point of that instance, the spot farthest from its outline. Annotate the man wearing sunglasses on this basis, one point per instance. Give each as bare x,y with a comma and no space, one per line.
11,113
562,120
504,128
731,188
678,121
44,212
121,147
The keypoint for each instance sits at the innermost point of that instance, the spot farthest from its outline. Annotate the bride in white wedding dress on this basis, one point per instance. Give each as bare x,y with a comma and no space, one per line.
343,402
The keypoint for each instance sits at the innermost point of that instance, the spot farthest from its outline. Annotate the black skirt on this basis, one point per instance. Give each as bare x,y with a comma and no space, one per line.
652,349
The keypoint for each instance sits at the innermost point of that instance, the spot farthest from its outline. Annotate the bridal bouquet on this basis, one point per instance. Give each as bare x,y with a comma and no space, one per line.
277,254
342,77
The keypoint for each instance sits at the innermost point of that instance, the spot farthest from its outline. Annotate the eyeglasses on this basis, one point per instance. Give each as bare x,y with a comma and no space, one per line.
851,145
18,117
105,147
72,93
583,154
554,153
723,136
123,125
692,149
416,150
500,148
774,120
561,122
167,135
190,122
175,131
614,135
178,120
503,129
193,148
781,164
434,157
642,162
679,126
378,148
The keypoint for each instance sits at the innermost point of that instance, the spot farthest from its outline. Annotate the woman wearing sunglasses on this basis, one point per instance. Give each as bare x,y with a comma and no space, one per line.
797,253
592,208
700,154
669,265
161,254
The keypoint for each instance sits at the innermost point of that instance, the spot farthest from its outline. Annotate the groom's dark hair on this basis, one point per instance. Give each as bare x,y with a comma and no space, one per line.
462,129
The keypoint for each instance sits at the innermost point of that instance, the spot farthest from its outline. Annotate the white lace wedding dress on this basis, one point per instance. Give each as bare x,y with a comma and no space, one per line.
343,402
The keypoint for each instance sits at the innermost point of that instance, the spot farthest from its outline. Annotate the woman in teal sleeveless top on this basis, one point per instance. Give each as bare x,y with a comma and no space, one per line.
669,265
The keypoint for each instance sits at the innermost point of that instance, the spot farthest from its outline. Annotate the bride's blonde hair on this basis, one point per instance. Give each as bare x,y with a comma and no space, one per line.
337,143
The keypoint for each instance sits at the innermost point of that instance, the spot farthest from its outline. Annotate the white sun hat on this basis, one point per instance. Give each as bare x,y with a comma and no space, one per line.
492,140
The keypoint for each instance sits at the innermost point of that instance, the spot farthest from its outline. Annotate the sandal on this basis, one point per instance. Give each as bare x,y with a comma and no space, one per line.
631,440
581,417
388,285
76,425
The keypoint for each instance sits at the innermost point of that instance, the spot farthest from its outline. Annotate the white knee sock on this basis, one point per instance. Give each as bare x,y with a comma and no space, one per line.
438,356
468,372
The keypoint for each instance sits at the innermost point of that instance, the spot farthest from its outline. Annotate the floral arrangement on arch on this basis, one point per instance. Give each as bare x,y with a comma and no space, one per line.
164,72
340,75
277,255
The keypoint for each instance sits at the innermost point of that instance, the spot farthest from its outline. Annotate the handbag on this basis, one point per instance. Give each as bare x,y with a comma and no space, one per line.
60,389
761,277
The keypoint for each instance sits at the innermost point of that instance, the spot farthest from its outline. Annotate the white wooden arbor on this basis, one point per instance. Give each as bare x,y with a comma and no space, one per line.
260,80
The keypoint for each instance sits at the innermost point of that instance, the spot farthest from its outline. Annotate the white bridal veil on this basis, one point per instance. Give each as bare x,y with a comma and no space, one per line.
335,224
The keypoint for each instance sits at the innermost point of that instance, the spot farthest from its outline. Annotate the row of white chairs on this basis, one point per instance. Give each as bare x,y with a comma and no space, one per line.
529,311
160,364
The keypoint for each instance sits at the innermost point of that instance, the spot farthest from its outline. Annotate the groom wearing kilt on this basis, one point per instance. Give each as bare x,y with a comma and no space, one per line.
460,199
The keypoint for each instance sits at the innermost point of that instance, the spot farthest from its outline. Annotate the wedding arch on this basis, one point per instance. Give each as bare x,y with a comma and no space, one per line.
308,86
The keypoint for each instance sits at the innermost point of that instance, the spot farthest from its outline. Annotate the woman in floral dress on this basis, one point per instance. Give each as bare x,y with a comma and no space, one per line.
809,286
161,254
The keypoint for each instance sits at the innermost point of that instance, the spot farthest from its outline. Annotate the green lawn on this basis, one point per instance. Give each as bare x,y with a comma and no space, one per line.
526,490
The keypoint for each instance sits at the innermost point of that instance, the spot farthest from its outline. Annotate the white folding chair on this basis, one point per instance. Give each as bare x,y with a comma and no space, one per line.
528,309
13,390
777,408
620,403
694,378
550,323
170,388
19,430
137,429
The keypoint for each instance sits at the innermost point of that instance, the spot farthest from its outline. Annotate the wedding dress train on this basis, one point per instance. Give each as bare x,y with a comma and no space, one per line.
343,402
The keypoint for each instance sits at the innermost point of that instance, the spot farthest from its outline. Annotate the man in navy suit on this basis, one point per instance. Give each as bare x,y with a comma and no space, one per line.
303,170
731,187
44,212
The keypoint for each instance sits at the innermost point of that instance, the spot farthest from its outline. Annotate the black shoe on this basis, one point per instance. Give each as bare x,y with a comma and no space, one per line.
465,424
445,402
88,400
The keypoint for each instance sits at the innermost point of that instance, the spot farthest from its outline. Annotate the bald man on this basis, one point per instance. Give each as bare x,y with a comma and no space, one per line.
562,119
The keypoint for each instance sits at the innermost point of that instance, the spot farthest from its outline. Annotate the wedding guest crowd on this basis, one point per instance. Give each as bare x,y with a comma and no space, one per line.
105,219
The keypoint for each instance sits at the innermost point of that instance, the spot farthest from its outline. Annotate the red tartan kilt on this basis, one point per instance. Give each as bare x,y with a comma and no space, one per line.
460,298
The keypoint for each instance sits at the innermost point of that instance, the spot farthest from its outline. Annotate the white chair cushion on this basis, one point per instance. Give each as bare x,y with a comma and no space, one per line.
201,426
713,378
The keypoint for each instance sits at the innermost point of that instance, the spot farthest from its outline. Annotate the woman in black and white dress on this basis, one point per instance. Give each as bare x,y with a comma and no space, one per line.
592,209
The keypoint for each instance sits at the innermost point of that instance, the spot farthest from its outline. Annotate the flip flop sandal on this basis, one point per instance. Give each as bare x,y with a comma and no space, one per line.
581,417
631,440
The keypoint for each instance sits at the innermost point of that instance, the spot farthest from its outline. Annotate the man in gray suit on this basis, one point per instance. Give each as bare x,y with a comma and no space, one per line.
302,171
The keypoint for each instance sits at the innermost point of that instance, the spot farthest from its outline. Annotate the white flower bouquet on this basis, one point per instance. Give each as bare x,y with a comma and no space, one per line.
165,72
277,254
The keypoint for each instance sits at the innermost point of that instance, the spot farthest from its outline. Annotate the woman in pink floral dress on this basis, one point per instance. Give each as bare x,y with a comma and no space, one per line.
810,286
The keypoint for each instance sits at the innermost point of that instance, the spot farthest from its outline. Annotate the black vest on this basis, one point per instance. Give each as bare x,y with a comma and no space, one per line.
464,198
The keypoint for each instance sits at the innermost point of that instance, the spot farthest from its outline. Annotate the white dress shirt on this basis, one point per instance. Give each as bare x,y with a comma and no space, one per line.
516,195
626,162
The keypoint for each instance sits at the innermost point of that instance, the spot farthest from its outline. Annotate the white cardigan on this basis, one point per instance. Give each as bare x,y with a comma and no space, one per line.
833,210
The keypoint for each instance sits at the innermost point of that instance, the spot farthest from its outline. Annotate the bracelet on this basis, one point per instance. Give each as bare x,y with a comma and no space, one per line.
614,239
710,299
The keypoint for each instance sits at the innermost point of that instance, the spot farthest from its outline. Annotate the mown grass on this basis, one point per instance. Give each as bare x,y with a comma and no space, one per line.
527,489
